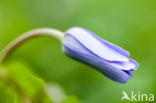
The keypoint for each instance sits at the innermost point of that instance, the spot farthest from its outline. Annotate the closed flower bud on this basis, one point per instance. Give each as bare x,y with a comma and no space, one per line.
111,60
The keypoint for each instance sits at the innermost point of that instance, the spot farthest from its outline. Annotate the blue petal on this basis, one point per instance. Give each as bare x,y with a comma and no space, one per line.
113,46
136,64
75,50
95,46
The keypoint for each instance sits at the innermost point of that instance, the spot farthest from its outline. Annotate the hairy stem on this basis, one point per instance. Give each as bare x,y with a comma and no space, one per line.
6,52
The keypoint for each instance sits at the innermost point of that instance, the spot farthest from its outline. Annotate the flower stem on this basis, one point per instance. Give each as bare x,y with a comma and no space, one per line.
6,52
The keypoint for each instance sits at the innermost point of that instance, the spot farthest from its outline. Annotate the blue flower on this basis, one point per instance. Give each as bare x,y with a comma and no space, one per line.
111,60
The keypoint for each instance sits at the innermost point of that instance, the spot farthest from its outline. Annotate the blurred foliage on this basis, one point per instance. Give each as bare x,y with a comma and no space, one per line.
71,99
130,24
24,83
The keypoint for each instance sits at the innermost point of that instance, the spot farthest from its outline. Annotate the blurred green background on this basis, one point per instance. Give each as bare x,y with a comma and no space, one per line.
130,24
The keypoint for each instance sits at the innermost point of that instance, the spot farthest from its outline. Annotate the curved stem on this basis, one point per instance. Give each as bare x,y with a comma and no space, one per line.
26,36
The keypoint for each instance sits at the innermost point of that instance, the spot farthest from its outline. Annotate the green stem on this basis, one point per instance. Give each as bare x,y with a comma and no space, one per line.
6,52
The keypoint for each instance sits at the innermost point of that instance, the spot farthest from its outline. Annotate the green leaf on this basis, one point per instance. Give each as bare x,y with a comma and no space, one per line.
28,86
6,93
28,82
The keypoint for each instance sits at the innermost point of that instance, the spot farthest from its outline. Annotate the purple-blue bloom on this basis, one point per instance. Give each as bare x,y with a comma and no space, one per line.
111,60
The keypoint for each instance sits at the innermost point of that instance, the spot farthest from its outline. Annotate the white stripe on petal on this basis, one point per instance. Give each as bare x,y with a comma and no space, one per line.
124,65
96,46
